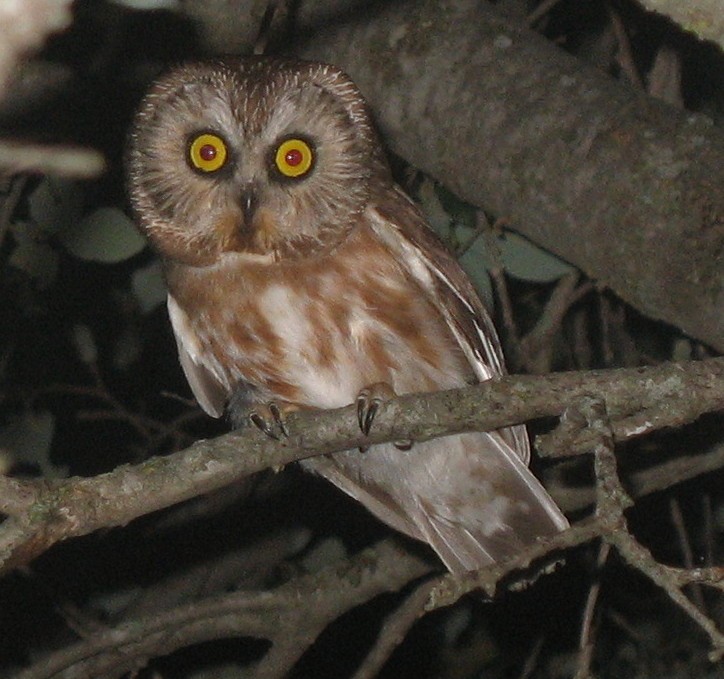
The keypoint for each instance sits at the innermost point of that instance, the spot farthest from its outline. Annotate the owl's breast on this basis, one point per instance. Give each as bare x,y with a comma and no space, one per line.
315,333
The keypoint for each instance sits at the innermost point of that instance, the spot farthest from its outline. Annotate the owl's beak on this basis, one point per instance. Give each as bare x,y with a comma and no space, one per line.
249,203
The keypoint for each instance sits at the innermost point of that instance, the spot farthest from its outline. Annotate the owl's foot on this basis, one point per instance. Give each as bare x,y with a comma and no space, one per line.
368,403
271,418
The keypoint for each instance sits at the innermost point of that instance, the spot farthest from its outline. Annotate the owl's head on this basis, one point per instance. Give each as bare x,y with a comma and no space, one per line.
258,155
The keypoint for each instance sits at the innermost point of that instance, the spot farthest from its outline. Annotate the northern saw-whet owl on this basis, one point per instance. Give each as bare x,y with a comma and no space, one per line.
301,276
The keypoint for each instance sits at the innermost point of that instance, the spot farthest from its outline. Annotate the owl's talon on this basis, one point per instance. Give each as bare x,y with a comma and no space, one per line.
361,403
279,418
369,401
271,419
366,411
260,423
403,445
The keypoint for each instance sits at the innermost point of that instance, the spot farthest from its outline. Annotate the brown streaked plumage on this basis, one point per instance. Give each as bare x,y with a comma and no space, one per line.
299,275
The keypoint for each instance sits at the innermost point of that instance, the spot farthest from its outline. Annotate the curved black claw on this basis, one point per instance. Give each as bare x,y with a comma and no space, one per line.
273,426
366,411
279,419
260,423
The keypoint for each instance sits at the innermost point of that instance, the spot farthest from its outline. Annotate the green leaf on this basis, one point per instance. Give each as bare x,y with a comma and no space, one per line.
27,439
474,261
527,261
33,254
106,235
148,286
55,204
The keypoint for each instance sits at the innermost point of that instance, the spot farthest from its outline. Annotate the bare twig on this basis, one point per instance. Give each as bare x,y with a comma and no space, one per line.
532,659
543,8
275,18
275,615
394,631
153,432
585,645
677,518
651,480
536,348
611,502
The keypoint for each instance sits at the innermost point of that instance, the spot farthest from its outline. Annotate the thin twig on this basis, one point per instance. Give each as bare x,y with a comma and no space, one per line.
625,56
677,518
539,11
611,502
537,346
394,630
585,644
532,659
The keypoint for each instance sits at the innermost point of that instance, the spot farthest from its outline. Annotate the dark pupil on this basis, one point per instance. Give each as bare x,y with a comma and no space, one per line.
293,157
207,152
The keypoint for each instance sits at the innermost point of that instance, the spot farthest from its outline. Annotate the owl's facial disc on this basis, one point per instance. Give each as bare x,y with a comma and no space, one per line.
264,157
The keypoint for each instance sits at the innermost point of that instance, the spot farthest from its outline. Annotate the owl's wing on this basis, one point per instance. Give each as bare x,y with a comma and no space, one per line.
402,228
206,387
473,499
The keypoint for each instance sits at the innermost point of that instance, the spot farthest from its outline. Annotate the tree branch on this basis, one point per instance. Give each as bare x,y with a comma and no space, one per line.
45,512
275,615
627,188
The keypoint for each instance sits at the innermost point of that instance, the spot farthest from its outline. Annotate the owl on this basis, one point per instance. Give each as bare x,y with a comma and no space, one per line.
300,276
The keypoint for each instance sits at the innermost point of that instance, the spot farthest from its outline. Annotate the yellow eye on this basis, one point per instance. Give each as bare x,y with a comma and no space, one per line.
294,158
207,152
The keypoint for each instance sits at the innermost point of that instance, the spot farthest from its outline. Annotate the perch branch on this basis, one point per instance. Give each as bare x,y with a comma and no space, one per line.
45,512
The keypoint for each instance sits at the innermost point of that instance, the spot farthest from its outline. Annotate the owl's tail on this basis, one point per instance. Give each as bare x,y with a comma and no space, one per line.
470,497
488,506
